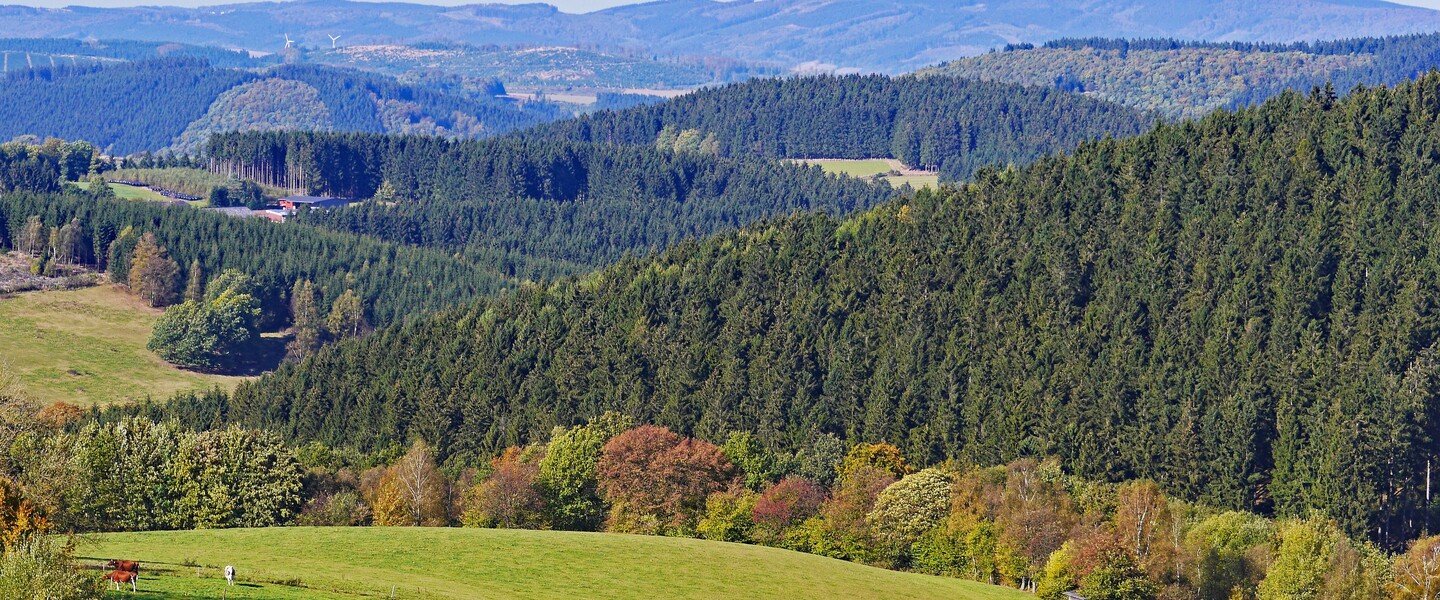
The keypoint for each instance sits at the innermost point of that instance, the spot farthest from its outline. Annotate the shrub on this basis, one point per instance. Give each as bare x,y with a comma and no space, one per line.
788,502
910,507
728,515
37,568
508,498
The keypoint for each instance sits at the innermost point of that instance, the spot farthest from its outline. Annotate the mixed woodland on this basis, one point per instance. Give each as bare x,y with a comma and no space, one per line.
1135,360
1188,79
1226,307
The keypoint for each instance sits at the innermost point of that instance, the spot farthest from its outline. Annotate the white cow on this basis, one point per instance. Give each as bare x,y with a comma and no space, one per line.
230,574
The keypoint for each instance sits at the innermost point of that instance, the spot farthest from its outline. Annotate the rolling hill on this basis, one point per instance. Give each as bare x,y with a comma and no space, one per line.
1214,305
174,104
543,68
354,562
1188,80
887,36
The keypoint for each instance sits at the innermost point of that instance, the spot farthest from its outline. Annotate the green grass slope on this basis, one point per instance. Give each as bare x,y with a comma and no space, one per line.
87,346
486,563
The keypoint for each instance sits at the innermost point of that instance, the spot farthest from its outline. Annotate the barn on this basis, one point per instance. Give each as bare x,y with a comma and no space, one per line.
292,203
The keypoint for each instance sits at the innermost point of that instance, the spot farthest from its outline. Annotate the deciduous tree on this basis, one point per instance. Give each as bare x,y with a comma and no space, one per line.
153,275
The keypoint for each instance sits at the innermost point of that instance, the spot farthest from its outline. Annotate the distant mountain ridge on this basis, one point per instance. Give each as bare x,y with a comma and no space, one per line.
867,35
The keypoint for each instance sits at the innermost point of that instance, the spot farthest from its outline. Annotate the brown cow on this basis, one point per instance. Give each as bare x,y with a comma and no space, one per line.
119,577
132,566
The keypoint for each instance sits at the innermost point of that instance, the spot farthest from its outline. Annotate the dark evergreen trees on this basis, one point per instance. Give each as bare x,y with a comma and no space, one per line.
1242,309
955,125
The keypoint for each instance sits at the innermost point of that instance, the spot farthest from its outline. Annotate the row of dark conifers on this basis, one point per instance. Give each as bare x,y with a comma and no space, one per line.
159,190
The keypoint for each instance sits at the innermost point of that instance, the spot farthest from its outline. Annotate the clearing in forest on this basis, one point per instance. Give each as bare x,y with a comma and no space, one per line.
87,347
877,169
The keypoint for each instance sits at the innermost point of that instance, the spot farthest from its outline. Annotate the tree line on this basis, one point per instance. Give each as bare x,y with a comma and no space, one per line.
939,123
1235,308
565,202
1028,524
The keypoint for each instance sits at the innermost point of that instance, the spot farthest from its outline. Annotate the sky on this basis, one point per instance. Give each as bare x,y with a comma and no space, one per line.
573,6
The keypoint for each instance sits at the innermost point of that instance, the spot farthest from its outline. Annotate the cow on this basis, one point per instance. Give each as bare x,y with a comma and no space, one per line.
119,577
132,566
229,575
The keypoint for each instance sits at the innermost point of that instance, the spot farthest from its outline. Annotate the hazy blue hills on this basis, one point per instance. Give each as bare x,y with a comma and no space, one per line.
883,35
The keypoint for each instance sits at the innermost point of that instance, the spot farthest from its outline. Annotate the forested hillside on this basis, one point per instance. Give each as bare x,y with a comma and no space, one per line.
174,103
1190,79
953,125
394,281
1239,308
577,203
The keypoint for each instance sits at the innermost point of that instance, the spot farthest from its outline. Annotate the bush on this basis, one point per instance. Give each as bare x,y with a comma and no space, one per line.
728,516
40,570
784,504
910,507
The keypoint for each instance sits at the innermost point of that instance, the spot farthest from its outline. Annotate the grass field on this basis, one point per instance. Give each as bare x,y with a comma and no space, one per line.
870,167
358,562
126,192
87,346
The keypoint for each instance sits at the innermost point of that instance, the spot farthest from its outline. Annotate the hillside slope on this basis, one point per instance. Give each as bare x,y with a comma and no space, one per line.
499,563
888,36
174,103
1219,306
1188,80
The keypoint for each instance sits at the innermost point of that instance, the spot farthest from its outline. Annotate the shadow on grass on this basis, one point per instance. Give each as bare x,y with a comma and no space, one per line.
262,356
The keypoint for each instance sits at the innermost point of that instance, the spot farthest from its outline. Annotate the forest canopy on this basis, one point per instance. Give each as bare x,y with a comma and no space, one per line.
1238,308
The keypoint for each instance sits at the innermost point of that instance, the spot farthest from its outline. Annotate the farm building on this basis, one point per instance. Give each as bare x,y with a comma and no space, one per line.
294,202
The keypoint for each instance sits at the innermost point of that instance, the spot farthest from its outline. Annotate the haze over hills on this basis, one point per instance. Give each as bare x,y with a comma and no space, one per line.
888,36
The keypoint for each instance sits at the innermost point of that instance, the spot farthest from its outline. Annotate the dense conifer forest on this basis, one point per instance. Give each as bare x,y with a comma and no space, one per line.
146,105
952,125
572,202
1238,308
394,281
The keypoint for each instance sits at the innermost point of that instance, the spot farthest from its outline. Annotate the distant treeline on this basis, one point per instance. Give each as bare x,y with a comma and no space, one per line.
554,200
1396,59
951,125
129,50
1370,45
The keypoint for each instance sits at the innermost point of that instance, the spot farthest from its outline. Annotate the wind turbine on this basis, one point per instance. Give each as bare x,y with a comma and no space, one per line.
333,38
288,43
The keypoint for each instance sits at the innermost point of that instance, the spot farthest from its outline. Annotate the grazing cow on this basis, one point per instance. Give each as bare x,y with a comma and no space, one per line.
132,566
119,577
229,574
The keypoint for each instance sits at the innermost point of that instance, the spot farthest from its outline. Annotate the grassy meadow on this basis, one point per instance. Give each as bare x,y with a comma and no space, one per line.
87,346
870,167
127,192
442,563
